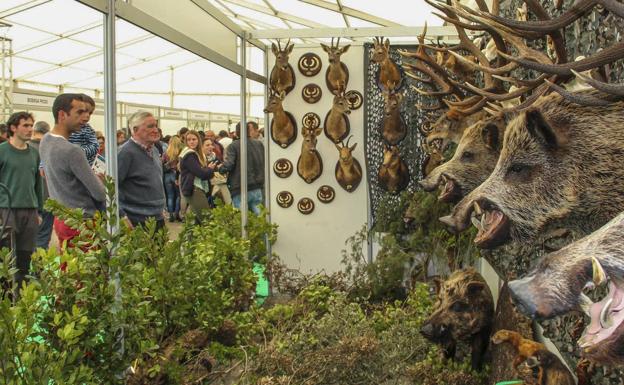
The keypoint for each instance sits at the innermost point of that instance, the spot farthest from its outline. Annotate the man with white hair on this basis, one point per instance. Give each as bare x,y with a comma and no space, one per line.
141,190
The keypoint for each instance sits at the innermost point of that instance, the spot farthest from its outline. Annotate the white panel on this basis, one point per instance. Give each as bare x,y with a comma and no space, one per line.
188,18
57,16
171,127
408,13
314,242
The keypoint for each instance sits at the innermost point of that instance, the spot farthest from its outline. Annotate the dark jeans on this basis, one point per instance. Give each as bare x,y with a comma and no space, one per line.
24,225
44,233
139,220
173,193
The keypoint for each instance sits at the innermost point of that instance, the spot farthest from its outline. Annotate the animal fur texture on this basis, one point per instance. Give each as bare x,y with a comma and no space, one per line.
550,369
393,174
283,126
336,121
393,130
473,161
463,311
310,164
561,165
555,287
525,348
282,75
348,169
389,73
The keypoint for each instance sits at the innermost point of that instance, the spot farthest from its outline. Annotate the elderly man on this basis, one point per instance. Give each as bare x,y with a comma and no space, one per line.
141,190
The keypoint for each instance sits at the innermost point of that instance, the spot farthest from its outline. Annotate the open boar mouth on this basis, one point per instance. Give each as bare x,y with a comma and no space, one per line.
450,189
492,223
607,316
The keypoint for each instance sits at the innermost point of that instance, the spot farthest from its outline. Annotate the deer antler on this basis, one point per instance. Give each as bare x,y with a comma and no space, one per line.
542,27
582,98
613,89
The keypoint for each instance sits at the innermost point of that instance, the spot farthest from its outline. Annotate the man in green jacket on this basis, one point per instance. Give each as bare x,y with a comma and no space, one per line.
19,172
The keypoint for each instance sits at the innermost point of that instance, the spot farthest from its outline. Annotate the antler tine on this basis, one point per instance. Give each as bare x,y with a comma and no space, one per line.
338,42
613,89
510,95
494,71
556,36
470,101
469,46
429,93
288,43
478,106
606,56
332,43
348,139
520,82
613,7
446,87
578,9
583,99
279,45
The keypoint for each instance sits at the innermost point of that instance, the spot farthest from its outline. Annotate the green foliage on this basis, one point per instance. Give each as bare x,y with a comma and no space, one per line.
67,325
410,237
342,342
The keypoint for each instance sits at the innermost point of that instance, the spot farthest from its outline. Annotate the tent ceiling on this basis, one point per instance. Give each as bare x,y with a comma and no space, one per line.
60,42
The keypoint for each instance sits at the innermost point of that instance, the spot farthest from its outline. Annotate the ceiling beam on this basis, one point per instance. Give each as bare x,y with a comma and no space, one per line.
344,15
281,15
432,32
61,36
352,12
22,7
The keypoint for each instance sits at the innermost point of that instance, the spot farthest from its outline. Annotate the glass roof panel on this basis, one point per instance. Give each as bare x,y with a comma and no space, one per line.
93,36
60,51
255,15
23,66
205,76
408,13
5,5
23,36
310,12
145,49
47,16
125,31
58,76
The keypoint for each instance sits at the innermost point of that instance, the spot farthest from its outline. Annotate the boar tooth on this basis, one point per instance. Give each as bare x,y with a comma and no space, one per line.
604,322
477,208
599,276
476,223
585,303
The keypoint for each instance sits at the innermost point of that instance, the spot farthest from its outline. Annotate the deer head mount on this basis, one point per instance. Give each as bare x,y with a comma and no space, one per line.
310,164
348,169
394,129
389,77
433,158
337,126
393,174
282,75
337,74
283,124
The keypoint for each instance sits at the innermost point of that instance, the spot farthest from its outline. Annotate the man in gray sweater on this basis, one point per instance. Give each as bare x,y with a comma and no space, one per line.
70,179
141,189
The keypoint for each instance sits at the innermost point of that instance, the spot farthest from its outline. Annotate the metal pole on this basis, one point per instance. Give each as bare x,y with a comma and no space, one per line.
267,167
110,114
171,95
243,134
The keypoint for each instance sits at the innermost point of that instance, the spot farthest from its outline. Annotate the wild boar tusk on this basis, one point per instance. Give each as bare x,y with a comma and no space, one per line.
604,322
585,303
476,223
599,276
477,208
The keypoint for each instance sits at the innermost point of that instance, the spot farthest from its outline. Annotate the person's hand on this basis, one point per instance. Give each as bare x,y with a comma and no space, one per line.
212,165
101,176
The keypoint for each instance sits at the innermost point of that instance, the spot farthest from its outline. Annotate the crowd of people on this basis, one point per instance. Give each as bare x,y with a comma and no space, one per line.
158,176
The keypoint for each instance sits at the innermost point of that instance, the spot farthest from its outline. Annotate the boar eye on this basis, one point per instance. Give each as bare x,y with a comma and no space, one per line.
467,155
519,168
459,307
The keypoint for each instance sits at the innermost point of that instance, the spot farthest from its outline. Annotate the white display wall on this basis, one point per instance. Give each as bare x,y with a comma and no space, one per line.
314,242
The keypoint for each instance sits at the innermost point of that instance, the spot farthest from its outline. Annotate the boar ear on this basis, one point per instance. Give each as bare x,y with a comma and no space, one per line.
540,129
474,288
489,134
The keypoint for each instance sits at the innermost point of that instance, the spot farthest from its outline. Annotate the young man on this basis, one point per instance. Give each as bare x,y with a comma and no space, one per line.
47,219
141,189
255,169
19,171
70,178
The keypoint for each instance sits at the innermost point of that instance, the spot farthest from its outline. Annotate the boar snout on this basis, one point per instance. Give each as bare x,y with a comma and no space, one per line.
427,331
459,220
430,183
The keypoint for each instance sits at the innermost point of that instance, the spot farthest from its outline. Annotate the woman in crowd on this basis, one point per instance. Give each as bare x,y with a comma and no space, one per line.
218,181
171,176
195,172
